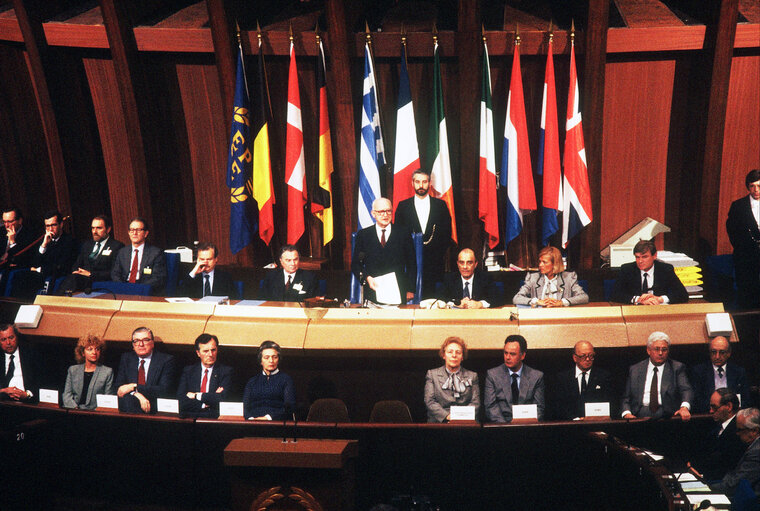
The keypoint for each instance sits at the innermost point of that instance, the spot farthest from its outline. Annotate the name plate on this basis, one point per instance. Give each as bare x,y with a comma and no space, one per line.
525,412
230,409
107,401
167,405
597,409
49,396
462,413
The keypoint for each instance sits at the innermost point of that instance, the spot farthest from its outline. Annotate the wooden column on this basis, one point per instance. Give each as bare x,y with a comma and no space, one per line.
592,107
339,48
718,51
225,48
31,14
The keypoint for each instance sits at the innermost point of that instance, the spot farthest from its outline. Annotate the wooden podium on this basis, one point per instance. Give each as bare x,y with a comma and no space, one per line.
272,473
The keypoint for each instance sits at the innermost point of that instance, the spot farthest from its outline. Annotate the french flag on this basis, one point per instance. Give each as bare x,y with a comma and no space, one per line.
516,171
548,154
577,193
407,157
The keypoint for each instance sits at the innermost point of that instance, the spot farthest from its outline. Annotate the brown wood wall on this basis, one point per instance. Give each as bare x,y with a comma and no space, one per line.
650,141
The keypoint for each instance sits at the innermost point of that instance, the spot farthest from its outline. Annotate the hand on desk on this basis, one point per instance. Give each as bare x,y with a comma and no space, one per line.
550,302
144,403
683,412
650,299
468,303
14,393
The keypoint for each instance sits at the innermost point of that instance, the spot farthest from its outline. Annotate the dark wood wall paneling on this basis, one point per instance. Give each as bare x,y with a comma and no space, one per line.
187,116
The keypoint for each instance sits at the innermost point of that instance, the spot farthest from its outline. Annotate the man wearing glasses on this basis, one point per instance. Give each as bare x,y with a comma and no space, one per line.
748,429
16,241
144,374
140,263
658,386
719,372
581,384
384,248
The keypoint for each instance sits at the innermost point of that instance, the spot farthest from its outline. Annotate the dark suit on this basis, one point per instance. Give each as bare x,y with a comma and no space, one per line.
748,468
190,381
674,389
482,288
719,454
498,392
666,282
58,257
152,267
304,286
703,382
436,238
31,370
397,256
566,396
22,254
159,381
745,238
100,267
193,286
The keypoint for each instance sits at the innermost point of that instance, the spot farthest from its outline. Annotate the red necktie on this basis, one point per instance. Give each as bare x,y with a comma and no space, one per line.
204,381
133,271
141,373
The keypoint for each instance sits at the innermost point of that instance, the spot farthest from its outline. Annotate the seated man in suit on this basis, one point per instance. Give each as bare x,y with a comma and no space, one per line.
57,251
206,383
20,369
658,386
718,373
430,216
140,263
144,374
744,234
513,383
581,384
468,288
96,258
17,242
205,279
382,249
722,449
748,467
289,283
648,281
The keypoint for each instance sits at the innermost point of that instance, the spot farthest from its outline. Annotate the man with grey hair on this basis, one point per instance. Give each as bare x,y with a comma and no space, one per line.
748,429
657,387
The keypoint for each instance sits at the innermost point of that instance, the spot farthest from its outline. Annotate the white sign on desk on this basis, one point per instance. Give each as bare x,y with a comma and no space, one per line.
108,401
525,412
230,409
49,396
462,413
167,405
597,409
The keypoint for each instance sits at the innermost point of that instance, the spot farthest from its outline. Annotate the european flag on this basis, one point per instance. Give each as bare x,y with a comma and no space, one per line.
239,164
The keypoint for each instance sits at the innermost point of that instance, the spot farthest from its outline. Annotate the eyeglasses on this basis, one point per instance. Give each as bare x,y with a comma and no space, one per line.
588,356
719,352
141,341
660,350
383,211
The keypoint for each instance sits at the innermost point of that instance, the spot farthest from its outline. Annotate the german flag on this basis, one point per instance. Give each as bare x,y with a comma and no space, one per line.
263,191
321,196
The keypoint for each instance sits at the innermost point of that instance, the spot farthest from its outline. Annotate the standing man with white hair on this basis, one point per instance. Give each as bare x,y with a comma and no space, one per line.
658,386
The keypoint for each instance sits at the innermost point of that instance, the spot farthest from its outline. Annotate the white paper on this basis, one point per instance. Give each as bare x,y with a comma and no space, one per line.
387,289
167,405
49,396
714,498
179,299
462,413
655,457
694,487
685,476
231,409
597,409
107,401
525,412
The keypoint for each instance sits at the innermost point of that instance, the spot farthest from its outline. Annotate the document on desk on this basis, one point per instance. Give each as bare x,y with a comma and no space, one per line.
716,499
694,487
387,289
683,477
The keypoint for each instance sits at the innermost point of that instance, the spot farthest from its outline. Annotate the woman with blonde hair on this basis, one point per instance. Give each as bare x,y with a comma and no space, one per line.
551,286
89,377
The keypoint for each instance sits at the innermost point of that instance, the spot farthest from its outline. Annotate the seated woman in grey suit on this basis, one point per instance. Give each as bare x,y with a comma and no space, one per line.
552,286
451,384
88,378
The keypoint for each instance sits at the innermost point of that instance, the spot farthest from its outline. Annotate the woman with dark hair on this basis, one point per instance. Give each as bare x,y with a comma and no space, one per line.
88,378
552,286
270,394
450,384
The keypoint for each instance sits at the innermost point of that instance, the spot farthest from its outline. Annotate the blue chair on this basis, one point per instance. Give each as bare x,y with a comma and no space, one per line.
23,283
744,498
720,280
122,288
321,287
172,273
355,291
240,288
609,286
